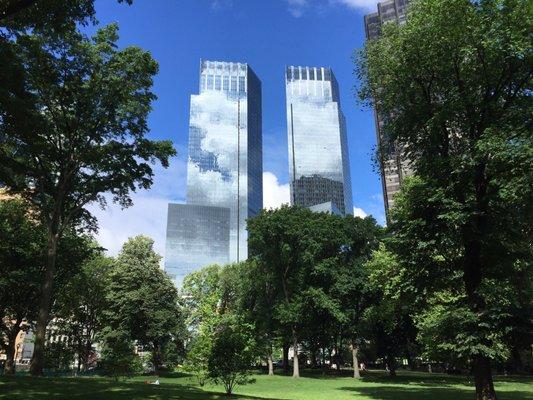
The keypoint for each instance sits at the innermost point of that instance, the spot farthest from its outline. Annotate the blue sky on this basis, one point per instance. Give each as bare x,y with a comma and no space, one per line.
268,35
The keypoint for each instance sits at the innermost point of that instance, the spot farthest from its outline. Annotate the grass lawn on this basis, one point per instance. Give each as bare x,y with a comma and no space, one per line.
374,386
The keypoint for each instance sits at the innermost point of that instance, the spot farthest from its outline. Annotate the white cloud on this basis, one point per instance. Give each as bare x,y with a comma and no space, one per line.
148,214
358,4
359,212
146,217
298,7
274,193
219,4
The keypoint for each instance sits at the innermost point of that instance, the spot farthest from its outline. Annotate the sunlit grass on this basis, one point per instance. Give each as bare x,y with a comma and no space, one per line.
312,386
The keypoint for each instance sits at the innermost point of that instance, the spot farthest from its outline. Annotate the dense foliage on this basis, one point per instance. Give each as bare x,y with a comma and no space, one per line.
305,286
453,88
143,304
73,122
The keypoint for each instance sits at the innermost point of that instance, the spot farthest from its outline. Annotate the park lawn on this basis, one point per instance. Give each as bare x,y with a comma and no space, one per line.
375,386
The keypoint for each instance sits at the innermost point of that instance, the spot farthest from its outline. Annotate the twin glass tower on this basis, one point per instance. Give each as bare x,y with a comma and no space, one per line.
225,162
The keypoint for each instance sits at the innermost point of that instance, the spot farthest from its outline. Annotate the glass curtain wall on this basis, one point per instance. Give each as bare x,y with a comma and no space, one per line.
319,168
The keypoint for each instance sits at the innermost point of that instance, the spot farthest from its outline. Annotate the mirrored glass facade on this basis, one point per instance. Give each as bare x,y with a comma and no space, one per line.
319,167
196,236
225,164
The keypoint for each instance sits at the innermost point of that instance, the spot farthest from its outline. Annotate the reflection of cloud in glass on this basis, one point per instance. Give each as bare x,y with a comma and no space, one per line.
318,155
216,119
225,158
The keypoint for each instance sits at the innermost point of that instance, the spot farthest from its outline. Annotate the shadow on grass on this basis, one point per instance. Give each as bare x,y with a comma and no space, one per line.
422,393
30,388
413,377
402,377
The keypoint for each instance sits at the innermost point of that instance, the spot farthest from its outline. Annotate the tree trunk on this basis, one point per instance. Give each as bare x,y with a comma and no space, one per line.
14,330
9,368
78,368
337,357
285,359
324,365
295,365
270,365
483,379
391,362
37,362
410,361
87,355
313,358
156,357
355,361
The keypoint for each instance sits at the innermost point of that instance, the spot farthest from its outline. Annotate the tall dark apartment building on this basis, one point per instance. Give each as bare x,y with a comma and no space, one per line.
394,166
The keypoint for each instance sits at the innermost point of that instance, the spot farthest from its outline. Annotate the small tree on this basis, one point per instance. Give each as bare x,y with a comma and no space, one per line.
211,293
198,355
81,302
22,242
22,264
59,356
142,298
232,352
117,356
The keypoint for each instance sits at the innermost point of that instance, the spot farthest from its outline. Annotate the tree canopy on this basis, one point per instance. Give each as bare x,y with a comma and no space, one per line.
453,88
74,125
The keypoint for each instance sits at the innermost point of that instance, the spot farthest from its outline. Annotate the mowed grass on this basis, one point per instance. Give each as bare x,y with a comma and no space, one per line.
312,386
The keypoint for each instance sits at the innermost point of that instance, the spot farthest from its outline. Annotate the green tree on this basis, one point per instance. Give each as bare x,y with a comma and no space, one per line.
258,302
210,293
22,261
84,135
201,294
80,305
22,241
386,320
279,239
143,300
350,286
117,358
453,86
199,349
52,15
307,270
232,352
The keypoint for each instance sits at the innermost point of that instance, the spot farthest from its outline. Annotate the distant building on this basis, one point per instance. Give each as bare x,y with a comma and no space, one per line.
224,171
24,343
394,166
319,167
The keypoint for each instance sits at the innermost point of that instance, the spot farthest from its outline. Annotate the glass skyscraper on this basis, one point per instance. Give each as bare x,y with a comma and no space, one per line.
224,169
319,168
394,166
